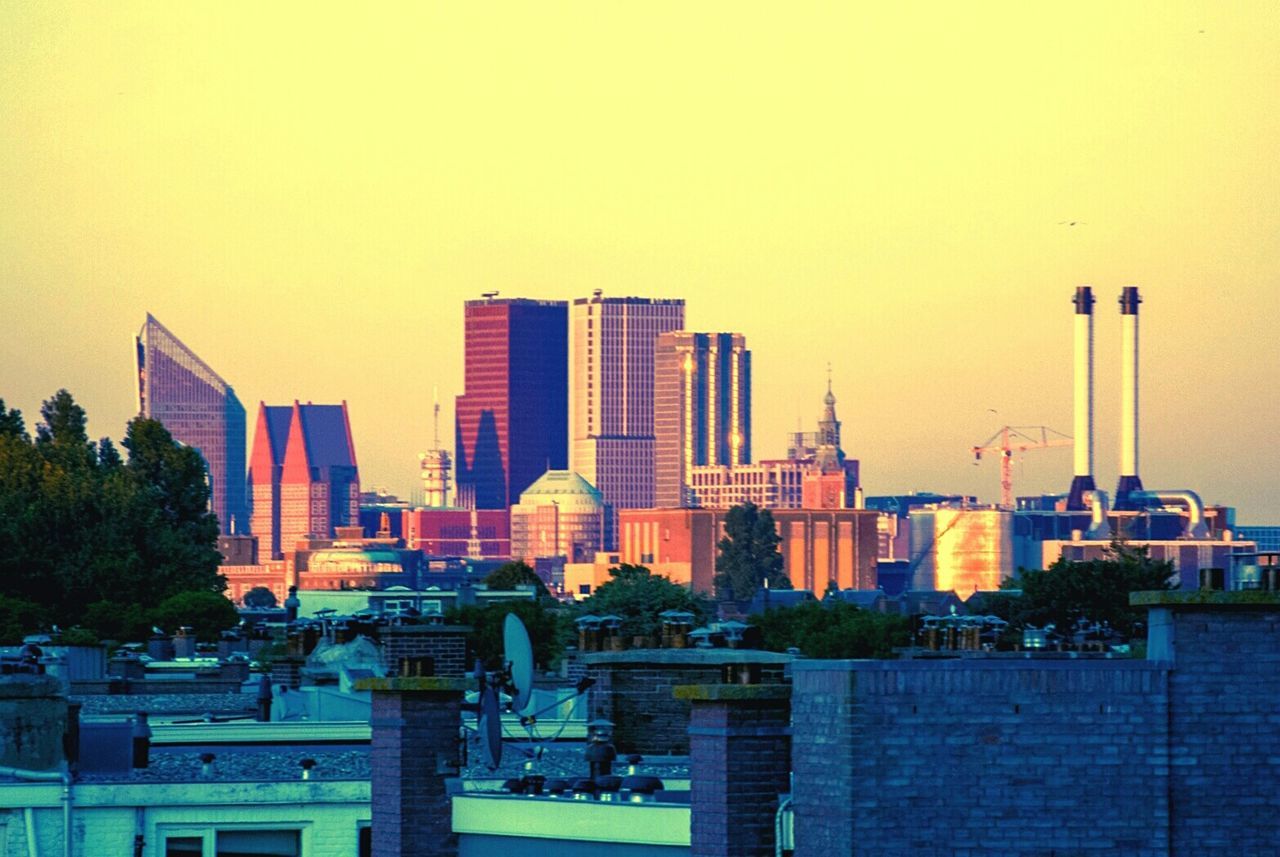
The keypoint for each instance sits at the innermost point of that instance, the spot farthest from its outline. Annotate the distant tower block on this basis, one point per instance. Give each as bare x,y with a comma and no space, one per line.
436,467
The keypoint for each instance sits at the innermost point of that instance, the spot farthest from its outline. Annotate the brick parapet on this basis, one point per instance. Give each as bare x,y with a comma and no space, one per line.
638,694
980,757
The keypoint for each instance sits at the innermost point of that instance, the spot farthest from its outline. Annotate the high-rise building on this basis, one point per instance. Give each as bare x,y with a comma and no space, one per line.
199,409
512,419
303,475
611,400
701,408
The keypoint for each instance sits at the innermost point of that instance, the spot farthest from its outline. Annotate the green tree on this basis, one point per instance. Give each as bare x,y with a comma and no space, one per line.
259,597
207,613
18,617
1069,593
543,621
832,629
638,597
80,527
748,554
512,574
111,620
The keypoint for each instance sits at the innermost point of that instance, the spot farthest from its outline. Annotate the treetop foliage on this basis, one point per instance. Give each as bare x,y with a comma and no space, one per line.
832,630
639,596
80,526
1070,595
512,574
748,554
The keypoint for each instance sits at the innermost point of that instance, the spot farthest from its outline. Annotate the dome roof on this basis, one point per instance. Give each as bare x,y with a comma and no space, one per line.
369,555
561,483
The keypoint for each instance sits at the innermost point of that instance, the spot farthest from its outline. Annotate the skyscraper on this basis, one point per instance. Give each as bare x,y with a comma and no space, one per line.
512,420
611,400
199,409
303,474
701,408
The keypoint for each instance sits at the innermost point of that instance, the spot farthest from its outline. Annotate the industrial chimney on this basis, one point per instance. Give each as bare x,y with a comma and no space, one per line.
1083,479
1129,481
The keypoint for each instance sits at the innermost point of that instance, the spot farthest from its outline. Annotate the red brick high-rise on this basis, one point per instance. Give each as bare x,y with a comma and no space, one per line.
303,477
513,419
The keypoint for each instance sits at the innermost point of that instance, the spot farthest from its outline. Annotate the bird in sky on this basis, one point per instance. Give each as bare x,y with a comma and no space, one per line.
1072,223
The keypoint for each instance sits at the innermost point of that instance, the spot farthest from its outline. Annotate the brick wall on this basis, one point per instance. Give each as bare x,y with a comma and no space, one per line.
635,690
1176,756
1224,732
446,645
980,757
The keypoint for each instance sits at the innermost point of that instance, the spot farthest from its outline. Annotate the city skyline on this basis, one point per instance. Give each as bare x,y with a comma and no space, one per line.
913,201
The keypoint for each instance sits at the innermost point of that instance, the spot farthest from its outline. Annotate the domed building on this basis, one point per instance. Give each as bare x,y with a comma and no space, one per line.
560,514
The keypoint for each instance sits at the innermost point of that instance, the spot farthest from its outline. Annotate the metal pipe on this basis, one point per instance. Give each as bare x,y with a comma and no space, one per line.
1129,480
1099,528
1083,399
1195,526
60,776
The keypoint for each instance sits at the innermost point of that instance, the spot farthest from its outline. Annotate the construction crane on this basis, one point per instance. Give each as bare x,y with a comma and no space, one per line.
1013,439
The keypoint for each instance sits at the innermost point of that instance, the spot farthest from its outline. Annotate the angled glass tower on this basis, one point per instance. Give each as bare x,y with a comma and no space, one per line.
200,410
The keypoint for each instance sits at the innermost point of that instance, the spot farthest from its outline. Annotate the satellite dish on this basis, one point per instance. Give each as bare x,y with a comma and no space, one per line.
490,727
518,653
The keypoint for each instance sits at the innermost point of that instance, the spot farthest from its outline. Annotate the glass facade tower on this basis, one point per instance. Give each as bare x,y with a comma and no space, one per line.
178,389
512,421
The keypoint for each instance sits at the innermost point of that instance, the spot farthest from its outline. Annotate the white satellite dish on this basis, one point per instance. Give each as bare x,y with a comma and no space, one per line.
518,653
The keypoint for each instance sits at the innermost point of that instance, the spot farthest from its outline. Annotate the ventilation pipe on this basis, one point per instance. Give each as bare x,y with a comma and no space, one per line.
1194,526
1099,528
1130,484
1083,479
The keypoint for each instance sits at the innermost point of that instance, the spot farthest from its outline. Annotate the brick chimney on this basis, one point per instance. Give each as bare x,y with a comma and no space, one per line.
739,764
414,750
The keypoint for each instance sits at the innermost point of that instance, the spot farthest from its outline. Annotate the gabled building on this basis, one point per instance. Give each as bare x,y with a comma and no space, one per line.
303,475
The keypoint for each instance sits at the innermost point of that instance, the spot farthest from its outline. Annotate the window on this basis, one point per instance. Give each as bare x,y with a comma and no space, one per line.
232,842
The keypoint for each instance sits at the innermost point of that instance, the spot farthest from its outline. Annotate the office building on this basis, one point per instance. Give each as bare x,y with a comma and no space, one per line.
512,419
200,410
701,408
611,401
303,475
560,515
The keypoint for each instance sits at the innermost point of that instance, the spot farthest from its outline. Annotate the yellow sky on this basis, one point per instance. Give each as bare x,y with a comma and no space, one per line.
306,194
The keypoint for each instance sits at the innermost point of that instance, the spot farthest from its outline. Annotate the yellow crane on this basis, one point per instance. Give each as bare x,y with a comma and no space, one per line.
1010,439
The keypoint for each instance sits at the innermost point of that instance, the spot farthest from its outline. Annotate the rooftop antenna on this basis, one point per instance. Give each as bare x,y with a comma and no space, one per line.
435,404
489,295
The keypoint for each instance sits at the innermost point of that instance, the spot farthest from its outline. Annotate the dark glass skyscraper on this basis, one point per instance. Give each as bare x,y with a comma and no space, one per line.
200,410
512,421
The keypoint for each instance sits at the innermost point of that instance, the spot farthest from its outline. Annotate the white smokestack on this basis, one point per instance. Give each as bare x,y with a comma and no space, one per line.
1083,403
1129,481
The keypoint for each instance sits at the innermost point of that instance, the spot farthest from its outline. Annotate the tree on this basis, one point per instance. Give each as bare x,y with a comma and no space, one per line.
1069,594
832,629
207,613
259,598
638,597
513,574
17,618
748,554
80,527
543,622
